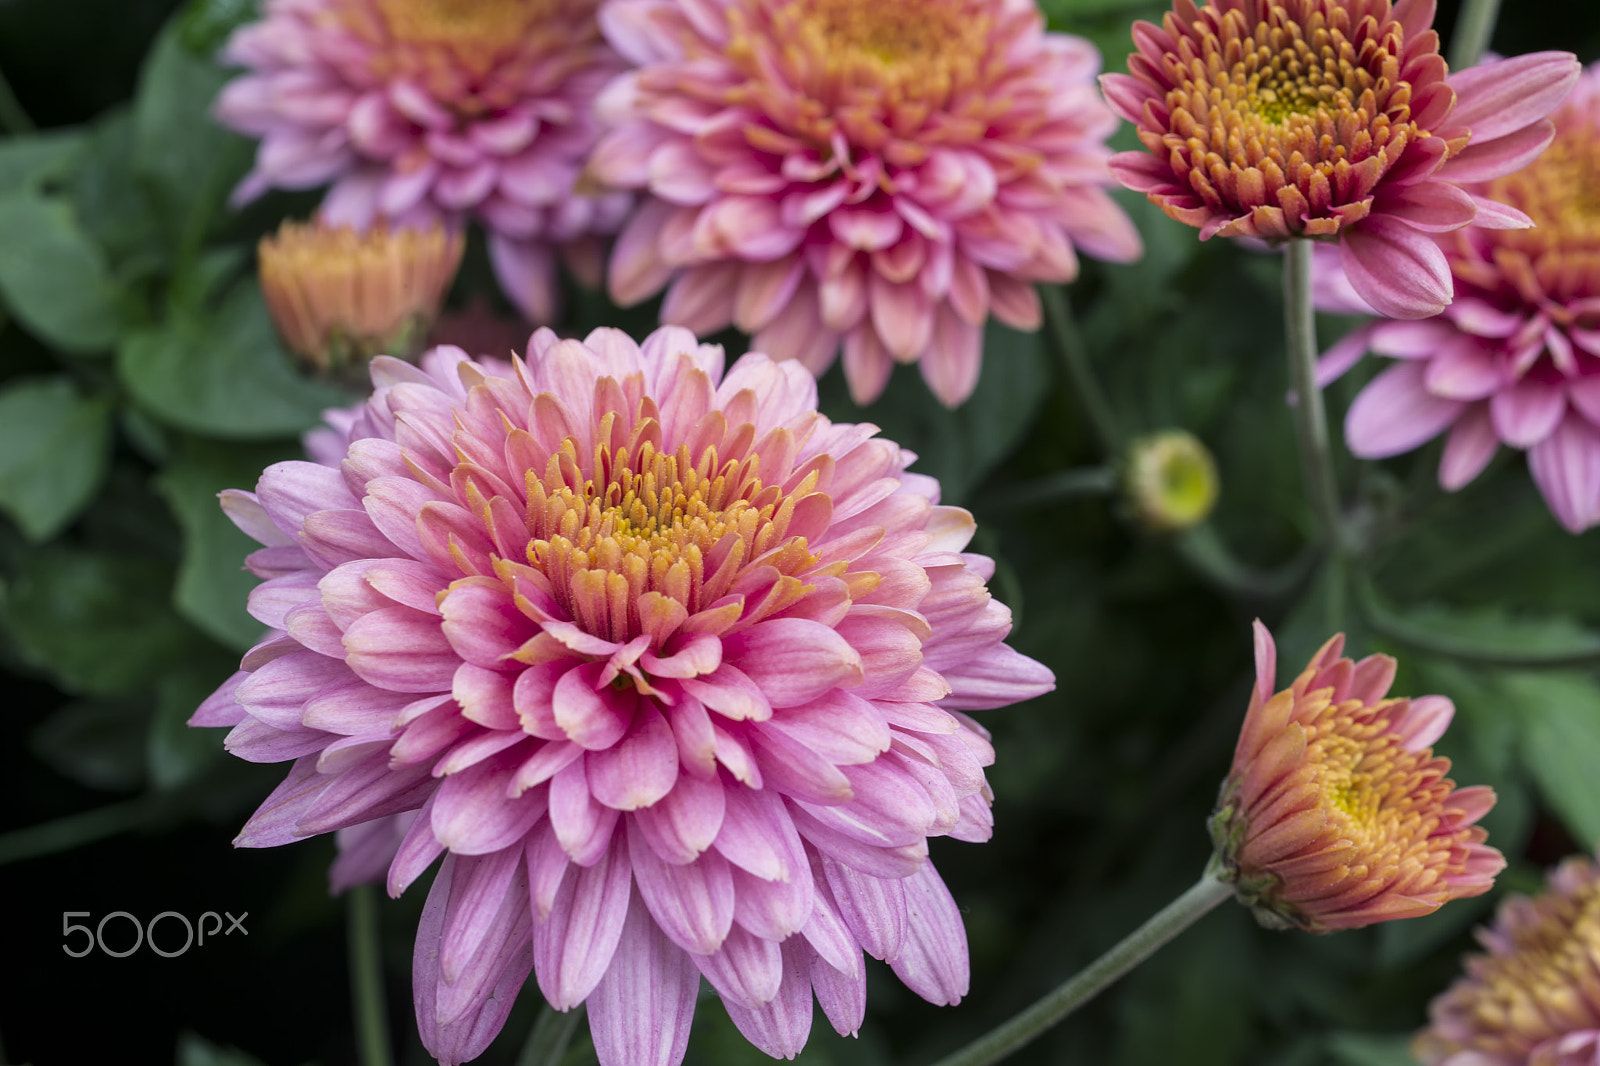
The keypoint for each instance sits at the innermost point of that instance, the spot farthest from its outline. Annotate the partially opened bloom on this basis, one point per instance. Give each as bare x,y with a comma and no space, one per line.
339,297
877,176
419,110
1333,119
1516,359
671,668
1533,997
1170,482
1336,813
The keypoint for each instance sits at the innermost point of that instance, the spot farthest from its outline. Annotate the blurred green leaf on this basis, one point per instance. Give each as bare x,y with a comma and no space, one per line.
53,277
113,204
213,584
30,161
196,1050
1365,1049
222,373
1561,744
1486,636
175,753
96,623
98,744
205,24
54,445
189,159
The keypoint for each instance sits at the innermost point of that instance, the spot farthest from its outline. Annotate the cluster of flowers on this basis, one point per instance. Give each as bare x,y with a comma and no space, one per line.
672,671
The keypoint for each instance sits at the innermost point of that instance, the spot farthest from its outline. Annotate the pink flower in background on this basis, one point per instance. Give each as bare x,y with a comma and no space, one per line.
420,110
1334,119
877,176
670,667
1532,997
1516,358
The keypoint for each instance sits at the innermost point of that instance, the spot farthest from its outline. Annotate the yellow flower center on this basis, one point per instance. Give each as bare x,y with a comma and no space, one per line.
1301,112
475,27
1547,984
671,524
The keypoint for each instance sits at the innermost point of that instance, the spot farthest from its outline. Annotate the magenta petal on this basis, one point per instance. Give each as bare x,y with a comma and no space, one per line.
583,826
793,660
1485,161
873,908
221,708
685,822
574,945
932,960
758,836
1399,271
1503,96
402,650
479,886
1566,466
1469,447
1395,413
472,816
745,970
773,910
593,716
1527,412
841,995
275,821
692,903
638,770
1423,721
781,1026
641,1010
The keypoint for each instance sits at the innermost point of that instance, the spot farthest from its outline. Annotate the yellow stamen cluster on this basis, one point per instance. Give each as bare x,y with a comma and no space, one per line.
1560,257
1298,113
878,67
1540,981
472,56
671,524
339,297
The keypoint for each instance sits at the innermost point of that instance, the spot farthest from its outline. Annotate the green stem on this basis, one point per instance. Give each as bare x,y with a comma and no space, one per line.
70,832
1310,417
552,1032
1074,356
1210,557
13,119
1074,484
1474,29
1089,982
366,978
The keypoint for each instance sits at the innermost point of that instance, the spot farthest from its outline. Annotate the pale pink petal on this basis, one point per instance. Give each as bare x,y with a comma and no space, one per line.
1395,413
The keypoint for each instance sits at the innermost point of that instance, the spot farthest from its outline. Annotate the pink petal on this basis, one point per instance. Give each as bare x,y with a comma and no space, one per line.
1566,466
574,946
1527,412
692,903
780,1027
1395,413
640,1012
1399,271
932,960
640,769
1503,96
1469,447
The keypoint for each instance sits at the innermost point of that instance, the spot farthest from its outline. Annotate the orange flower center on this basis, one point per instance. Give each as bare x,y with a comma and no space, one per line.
1299,113
475,27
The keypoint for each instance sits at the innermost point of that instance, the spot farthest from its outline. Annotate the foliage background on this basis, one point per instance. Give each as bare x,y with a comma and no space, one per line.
139,375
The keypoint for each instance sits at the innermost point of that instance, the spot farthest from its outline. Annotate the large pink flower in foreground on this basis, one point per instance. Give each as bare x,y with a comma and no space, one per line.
1516,359
671,667
877,175
420,110
1332,119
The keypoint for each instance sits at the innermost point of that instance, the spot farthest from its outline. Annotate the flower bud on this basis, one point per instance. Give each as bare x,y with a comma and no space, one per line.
1336,814
1170,480
339,297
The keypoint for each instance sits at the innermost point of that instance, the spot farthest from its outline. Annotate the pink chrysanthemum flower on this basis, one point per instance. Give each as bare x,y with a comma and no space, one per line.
881,176
1533,999
420,110
1516,358
1336,813
1332,119
671,667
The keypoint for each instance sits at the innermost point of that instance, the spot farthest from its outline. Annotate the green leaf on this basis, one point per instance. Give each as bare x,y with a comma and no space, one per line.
1485,636
113,204
53,277
175,753
98,624
196,1050
54,446
1367,1049
958,447
213,584
205,24
98,744
28,162
189,160
1561,744
222,373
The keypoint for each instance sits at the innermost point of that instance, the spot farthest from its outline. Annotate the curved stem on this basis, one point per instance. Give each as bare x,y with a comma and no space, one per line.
1089,982
1310,417
1210,557
366,977
1074,357
1474,29
552,1032
70,832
